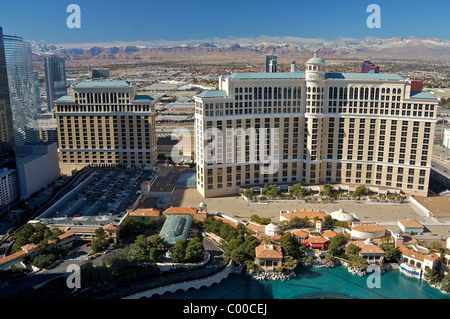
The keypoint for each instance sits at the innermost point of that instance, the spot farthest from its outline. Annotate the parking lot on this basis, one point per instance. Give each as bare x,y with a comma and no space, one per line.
103,198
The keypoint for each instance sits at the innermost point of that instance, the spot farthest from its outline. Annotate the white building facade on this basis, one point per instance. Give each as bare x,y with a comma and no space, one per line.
8,186
313,127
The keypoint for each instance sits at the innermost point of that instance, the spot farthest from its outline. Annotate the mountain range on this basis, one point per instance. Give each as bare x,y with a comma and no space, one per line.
248,50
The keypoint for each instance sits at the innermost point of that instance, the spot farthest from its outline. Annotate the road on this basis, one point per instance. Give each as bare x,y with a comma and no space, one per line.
76,256
441,167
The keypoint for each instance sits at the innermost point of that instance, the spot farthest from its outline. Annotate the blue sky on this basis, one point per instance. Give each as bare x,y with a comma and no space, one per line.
175,20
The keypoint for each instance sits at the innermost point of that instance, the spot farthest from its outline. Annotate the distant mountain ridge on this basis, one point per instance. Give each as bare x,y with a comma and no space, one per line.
247,49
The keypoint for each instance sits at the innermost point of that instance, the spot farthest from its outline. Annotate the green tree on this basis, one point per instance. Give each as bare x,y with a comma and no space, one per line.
179,251
446,283
289,264
431,275
194,250
359,262
391,254
337,245
298,191
289,246
248,193
239,256
352,249
328,191
361,191
139,249
270,191
100,241
329,222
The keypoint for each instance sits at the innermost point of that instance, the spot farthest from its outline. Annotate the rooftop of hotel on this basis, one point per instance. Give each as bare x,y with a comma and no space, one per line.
302,75
95,84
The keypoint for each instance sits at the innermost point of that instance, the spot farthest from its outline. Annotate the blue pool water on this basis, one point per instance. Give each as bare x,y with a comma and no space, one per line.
317,283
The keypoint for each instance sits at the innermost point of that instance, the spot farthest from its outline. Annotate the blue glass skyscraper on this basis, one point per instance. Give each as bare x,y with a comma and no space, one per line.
22,89
55,79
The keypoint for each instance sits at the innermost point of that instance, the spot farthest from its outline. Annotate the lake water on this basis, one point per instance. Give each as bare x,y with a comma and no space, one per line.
324,283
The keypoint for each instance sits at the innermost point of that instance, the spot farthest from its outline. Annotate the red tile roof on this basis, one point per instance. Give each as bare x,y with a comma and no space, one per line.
300,233
268,251
310,214
367,248
317,240
329,234
181,210
145,212
410,223
416,255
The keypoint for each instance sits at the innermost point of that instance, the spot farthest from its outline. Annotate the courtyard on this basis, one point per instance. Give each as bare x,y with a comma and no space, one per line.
236,207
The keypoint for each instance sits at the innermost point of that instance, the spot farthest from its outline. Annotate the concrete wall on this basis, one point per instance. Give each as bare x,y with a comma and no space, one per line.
38,168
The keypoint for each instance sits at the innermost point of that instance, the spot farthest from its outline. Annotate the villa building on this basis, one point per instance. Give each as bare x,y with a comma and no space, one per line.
369,250
268,256
416,262
314,127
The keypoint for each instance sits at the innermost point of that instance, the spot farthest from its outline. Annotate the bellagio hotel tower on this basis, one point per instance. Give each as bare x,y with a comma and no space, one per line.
314,127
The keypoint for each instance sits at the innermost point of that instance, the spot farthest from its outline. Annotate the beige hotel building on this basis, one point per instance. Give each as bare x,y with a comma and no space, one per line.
105,123
341,128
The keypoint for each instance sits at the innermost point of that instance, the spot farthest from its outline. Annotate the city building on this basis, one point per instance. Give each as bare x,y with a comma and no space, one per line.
271,63
369,67
410,226
8,186
37,167
313,127
105,123
55,79
6,120
22,89
48,129
8,181
99,73
446,138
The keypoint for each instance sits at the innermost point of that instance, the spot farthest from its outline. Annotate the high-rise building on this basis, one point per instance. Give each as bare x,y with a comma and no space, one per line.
37,93
271,63
6,120
55,79
369,67
314,127
105,123
48,128
8,174
22,89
